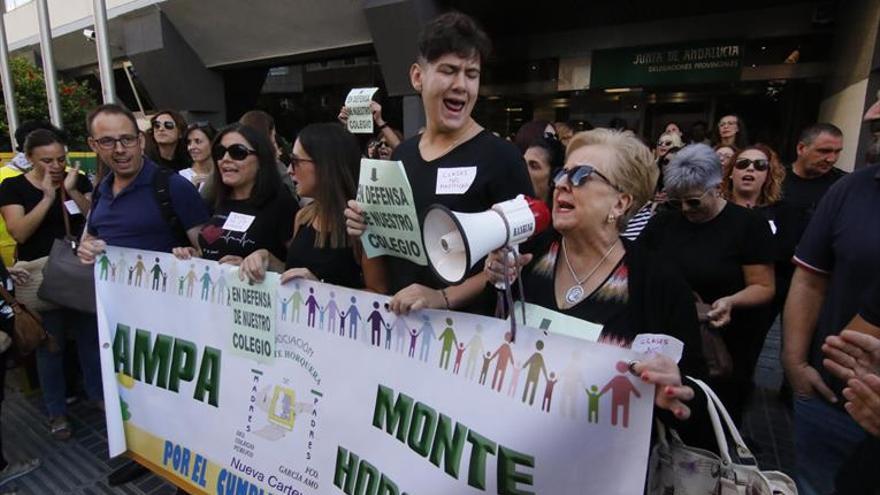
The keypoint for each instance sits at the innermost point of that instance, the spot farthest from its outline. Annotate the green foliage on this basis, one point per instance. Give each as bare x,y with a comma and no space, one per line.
30,98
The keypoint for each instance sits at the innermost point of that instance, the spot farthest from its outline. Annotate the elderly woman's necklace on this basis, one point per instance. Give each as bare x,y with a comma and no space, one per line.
576,292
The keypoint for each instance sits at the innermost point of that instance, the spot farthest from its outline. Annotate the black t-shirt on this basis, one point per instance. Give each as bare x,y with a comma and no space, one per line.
800,197
498,171
870,311
271,225
335,266
605,306
711,256
19,191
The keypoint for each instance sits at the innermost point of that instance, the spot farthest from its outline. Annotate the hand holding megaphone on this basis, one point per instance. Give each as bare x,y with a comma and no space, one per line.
505,262
455,242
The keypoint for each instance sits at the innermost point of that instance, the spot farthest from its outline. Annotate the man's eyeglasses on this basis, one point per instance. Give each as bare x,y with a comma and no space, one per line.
168,124
760,165
691,203
664,143
578,175
109,143
237,152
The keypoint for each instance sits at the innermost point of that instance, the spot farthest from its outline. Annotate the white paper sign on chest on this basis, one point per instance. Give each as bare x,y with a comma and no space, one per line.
72,207
455,180
238,222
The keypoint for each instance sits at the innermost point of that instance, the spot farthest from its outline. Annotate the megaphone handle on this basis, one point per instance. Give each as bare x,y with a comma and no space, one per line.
508,295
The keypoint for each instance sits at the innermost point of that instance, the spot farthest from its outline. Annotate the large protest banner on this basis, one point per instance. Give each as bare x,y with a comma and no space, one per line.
231,388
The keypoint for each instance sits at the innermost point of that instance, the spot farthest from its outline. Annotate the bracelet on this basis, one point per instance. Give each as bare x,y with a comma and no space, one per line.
382,126
445,298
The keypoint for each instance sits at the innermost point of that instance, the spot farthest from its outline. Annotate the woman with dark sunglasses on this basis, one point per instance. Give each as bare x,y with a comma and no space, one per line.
666,142
165,140
252,211
753,177
325,164
726,254
585,270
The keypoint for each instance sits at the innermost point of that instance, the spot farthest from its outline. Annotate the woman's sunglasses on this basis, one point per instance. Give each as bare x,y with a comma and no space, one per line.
760,165
692,203
237,152
578,175
168,124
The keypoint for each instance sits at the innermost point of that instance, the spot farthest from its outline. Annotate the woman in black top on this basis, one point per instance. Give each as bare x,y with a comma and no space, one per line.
252,211
325,163
725,253
587,271
33,206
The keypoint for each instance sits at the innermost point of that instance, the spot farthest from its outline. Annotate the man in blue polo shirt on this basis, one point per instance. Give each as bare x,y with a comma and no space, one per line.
836,261
127,212
126,209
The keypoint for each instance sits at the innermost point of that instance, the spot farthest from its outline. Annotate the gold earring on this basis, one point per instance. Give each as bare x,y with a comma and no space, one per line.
611,218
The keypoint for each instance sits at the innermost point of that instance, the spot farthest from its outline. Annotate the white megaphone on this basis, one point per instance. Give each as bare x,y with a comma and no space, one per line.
455,242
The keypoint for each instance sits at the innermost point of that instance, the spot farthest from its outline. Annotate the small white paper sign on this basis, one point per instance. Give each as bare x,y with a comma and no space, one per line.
360,116
238,222
455,180
658,343
72,208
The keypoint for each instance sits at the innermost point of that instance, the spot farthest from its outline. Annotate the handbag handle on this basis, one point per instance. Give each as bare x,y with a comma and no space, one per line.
64,212
717,412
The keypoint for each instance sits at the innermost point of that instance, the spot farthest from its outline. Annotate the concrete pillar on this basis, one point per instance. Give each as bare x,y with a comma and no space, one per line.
394,27
171,71
854,81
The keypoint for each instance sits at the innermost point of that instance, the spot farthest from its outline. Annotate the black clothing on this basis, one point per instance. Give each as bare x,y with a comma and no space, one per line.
641,295
271,228
792,214
19,191
6,325
335,266
498,173
870,311
842,242
711,256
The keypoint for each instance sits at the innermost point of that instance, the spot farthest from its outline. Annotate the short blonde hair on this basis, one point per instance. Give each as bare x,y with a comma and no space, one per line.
674,137
634,171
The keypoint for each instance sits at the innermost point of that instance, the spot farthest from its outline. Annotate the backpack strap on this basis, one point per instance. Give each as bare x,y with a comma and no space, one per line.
162,193
162,190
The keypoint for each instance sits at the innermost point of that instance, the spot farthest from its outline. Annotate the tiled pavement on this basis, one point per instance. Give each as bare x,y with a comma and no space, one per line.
80,466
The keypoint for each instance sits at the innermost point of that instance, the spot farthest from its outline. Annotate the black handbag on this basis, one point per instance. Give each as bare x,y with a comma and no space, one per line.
68,282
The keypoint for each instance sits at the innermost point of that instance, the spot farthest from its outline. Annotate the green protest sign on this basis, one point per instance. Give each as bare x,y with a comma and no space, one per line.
386,197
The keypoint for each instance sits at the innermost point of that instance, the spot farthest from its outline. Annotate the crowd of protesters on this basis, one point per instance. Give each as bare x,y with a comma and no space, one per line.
704,236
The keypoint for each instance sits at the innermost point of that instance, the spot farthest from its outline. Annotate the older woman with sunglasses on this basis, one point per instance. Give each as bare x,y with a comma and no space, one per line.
165,140
726,254
666,142
587,271
252,211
